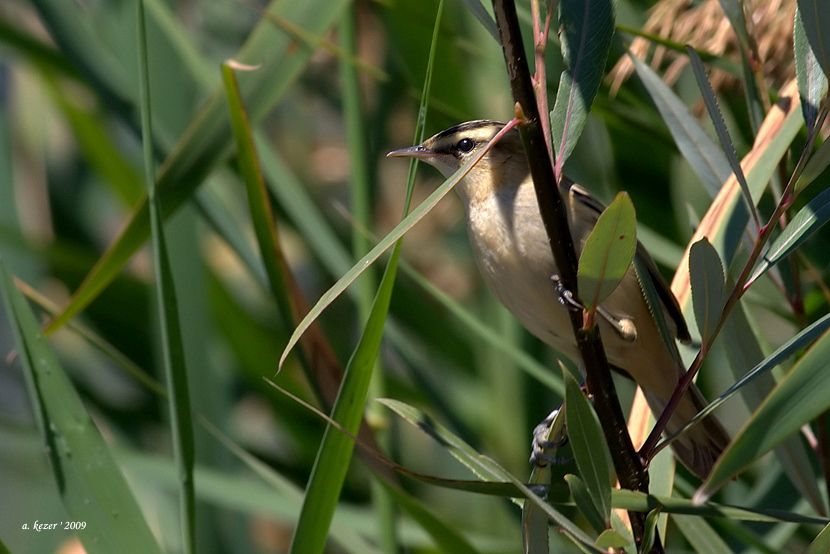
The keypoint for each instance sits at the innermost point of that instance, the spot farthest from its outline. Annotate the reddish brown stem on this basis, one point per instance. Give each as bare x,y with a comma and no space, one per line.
650,447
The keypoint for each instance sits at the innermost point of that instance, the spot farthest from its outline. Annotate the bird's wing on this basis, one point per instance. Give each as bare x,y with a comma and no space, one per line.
665,294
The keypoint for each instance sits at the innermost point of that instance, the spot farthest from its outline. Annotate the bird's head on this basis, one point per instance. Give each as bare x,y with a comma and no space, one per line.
504,165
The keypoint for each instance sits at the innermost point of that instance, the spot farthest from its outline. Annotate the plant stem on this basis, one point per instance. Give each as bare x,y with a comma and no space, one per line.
650,447
629,466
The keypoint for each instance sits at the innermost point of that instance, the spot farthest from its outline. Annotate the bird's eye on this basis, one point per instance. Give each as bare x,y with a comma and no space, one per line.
465,145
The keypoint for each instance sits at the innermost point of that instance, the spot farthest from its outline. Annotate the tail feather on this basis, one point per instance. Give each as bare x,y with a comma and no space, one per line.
699,447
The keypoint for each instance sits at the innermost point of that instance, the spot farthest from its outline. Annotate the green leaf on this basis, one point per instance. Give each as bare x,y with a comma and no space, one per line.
90,483
821,544
207,139
266,492
391,238
701,535
734,10
335,452
720,127
611,539
744,351
588,26
608,251
259,204
172,349
641,502
817,163
483,17
800,397
707,160
796,343
812,82
650,530
803,225
585,502
815,15
482,466
706,277
590,450
446,538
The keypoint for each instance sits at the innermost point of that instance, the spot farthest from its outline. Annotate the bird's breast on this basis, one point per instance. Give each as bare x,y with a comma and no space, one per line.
514,258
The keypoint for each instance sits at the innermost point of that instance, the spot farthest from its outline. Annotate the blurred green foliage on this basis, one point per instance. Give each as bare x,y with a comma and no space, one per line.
70,179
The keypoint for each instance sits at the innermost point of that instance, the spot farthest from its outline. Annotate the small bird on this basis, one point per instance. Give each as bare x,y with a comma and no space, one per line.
513,255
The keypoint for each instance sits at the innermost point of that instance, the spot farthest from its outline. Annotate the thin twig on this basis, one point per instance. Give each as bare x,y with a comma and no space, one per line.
650,448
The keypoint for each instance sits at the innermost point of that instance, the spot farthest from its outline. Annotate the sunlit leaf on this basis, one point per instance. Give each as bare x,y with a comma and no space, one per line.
587,28
803,225
800,397
405,225
817,163
720,127
611,539
608,251
821,543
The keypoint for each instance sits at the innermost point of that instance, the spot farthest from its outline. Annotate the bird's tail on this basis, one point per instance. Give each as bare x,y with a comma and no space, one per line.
699,447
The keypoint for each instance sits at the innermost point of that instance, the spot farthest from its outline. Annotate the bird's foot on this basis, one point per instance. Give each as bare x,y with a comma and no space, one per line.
542,443
623,325
565,296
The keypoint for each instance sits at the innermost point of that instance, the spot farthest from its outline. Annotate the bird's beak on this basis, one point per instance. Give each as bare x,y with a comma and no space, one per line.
419,151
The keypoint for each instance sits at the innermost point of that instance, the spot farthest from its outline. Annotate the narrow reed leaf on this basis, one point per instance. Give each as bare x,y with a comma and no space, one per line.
482,466
817,163
259,204
701,535
723,223
608,251
87,478
483,16
650,532
795,344
172,349
610,539
207,139
707,160
821,543
391,238
334,455
720,127
587,28
641,502
799,397
446,538
803,225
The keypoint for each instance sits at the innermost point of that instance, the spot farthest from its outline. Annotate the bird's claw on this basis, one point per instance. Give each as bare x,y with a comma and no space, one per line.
564,295
541,444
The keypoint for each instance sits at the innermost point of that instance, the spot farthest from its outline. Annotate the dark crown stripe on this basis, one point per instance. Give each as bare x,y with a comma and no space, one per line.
467,126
